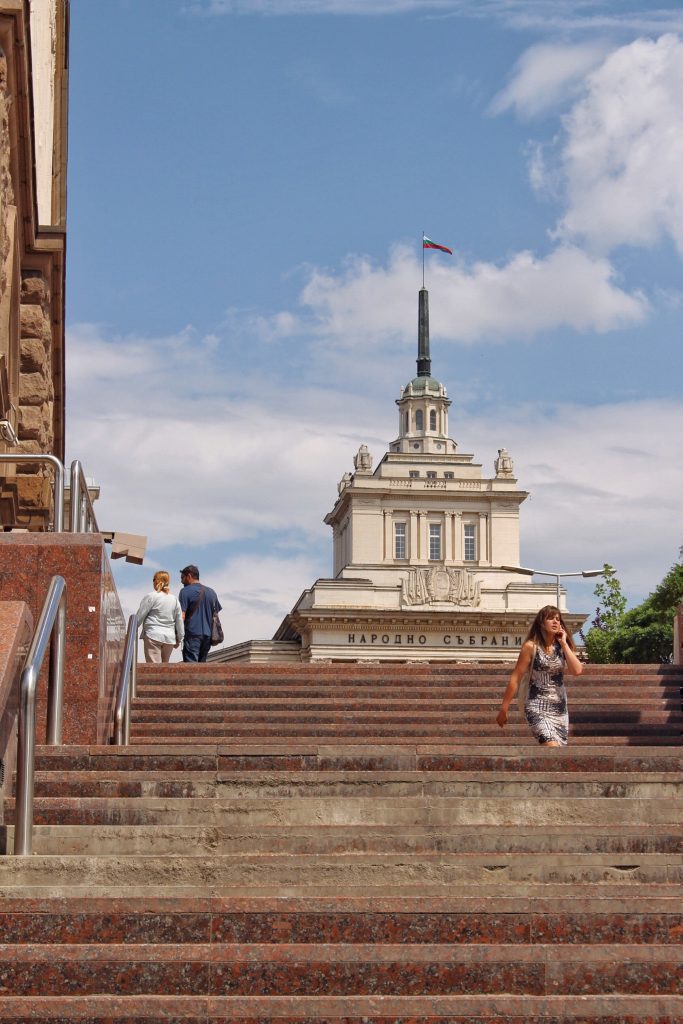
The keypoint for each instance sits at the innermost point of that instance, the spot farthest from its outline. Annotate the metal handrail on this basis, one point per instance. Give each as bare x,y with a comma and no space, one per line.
58,494
51,624
83,519
127,685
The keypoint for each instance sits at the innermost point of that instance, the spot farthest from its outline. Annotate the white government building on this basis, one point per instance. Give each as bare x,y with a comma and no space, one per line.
419,548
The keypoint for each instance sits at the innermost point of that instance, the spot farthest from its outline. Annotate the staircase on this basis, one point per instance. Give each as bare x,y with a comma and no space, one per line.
355,843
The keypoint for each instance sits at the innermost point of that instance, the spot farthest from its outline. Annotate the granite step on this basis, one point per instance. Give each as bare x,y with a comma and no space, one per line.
226,969
642,724
399,699
462,741
459,688
552,918
612,714
255,1009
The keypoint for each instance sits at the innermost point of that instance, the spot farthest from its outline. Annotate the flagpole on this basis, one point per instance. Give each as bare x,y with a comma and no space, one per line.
423,259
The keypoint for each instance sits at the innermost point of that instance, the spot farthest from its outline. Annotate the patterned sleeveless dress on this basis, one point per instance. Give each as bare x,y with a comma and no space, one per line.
546,703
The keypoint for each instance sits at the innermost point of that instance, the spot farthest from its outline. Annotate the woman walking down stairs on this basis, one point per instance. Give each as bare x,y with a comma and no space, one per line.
347,843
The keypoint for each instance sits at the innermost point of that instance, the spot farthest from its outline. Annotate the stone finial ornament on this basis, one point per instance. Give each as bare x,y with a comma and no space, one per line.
362,461
505,467
344,482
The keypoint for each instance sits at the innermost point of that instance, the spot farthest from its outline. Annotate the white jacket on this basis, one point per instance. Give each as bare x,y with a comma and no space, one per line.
160,618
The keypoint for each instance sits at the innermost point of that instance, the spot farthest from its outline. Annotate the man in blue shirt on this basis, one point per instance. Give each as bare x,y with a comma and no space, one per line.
198,604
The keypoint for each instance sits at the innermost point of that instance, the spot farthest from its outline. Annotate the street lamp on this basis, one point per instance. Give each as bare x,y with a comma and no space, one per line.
557,575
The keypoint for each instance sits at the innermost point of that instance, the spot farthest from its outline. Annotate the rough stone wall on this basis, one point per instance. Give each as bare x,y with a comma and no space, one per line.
6,190
36,395
31,265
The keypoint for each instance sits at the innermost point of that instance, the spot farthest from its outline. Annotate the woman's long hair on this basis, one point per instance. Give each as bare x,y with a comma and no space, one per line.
548,611
161,581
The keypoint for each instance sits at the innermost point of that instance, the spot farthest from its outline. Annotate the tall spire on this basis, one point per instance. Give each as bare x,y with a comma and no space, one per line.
424,362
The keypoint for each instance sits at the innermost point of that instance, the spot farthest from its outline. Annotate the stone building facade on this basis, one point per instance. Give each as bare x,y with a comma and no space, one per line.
33,156
421,550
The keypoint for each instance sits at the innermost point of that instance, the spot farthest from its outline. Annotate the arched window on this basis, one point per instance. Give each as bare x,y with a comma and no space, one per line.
419,419
405,422
432,419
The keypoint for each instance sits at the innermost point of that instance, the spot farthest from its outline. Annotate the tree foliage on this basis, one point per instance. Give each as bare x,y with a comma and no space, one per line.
608,616
645,633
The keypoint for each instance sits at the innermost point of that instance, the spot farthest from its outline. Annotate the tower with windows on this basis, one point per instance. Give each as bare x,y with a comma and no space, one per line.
427,504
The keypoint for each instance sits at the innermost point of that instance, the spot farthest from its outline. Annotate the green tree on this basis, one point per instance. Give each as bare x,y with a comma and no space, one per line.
608,616
645,633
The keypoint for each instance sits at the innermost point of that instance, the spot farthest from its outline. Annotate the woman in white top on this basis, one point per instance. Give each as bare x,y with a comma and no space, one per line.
161,620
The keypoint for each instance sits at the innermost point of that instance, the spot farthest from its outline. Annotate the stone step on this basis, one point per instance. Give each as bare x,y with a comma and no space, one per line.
641,724
618,697
377,670
127,840
460,741
615,715
431,1009
340,970
550,917
255,784
351,810
345,872
462,689
343,757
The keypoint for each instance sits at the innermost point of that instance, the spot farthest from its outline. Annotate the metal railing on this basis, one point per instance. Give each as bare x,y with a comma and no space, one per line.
58,487
51,624
126,689
83,519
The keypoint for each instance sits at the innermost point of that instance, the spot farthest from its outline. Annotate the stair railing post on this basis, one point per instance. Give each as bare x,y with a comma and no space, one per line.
83,519
126,686
51,624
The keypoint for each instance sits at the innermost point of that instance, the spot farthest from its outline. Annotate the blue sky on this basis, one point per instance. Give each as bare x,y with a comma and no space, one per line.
249,181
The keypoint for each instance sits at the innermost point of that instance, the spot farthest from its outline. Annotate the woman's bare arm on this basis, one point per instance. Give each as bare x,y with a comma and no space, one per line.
518,672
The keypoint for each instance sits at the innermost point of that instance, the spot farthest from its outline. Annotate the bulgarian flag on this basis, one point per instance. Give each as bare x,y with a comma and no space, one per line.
428,244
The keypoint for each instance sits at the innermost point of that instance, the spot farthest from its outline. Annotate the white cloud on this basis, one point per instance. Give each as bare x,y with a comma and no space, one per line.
547,15
173,440
334,7
606,485
547,75
622,150
520,298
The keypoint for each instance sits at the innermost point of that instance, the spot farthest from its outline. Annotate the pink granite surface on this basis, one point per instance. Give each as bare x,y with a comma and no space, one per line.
95,623
16,627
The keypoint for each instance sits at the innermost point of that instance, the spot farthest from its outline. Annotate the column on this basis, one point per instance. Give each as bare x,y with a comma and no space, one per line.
413,535
448,537
457,536
483,553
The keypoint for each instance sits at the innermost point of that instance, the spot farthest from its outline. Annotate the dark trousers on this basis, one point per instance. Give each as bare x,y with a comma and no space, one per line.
196,648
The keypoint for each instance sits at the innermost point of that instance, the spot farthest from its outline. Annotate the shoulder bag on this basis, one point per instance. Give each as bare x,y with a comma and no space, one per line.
216,629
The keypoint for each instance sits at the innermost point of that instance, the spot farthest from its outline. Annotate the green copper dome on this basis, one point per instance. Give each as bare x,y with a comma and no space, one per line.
423,385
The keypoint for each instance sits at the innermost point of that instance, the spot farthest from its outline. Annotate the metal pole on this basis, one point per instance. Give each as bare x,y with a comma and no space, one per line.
49,623
76,525
127,679
55,691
